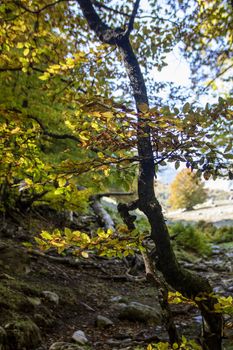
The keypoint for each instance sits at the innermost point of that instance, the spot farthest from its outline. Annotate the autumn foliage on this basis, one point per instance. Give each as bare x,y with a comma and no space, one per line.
186,190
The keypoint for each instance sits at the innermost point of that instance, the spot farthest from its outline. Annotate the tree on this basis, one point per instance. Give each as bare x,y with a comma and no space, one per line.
186,190
61,69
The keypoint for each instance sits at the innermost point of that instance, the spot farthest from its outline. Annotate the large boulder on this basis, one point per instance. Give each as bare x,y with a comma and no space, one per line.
135,311
23,334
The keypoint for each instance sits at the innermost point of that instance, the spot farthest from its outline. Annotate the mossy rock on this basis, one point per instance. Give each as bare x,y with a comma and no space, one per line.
12,259
23,335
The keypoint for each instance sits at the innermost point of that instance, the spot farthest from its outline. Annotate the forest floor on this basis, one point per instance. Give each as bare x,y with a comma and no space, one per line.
90,289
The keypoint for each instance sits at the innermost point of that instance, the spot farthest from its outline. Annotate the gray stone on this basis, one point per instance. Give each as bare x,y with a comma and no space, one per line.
102,321
135,311
65,346
80,337
51,296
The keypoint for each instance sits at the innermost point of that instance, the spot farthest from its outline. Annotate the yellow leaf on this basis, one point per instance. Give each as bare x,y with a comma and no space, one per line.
108,115
61,182
85,254
20,45
15,130
45,76
143,107
26,52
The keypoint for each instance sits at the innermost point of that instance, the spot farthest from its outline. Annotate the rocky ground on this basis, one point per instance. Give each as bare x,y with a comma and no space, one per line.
46,304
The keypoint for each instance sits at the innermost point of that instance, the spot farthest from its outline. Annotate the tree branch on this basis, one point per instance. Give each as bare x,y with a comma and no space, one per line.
105,33
219,75
36,12
54,135
132,18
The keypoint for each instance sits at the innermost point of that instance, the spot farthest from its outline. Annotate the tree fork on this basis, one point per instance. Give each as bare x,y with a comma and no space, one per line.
189,284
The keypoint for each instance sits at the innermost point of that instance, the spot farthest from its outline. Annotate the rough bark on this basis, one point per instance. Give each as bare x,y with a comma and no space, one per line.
189,284
154,279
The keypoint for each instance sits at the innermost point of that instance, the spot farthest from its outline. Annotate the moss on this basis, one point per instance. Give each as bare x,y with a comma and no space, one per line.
23,334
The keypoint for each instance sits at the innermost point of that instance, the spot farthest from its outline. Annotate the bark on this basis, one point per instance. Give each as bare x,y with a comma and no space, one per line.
152,276
102,214
189,284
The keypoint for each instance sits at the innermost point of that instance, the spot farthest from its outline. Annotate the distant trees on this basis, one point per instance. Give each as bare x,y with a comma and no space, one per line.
186,190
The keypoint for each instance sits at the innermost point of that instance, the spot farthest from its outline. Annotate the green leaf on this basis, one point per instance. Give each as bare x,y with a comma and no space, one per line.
228,156
186,107
177,164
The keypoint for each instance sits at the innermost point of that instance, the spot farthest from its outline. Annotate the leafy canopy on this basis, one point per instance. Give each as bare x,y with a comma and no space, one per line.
66,109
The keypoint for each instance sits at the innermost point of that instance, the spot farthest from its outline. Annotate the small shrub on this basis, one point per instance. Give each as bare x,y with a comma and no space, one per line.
191,238
223,234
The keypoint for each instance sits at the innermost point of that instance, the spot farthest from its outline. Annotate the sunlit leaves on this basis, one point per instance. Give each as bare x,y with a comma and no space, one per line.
103,243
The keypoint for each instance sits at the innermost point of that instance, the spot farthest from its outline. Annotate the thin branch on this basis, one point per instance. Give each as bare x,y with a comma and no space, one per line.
219,75
113,194
54,135
36,12
132,18
45,131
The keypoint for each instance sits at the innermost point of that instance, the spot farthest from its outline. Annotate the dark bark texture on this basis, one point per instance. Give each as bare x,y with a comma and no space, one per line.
189,284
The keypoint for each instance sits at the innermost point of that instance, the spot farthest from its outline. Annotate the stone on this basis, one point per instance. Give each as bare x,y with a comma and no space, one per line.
65,346
118,299
80,337
23,334
51,296
102,321
34,301
135,311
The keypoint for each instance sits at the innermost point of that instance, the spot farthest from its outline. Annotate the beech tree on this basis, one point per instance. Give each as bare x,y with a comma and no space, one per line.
186,190
64,87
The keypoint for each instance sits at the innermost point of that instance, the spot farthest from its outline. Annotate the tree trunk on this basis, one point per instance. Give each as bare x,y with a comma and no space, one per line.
189,284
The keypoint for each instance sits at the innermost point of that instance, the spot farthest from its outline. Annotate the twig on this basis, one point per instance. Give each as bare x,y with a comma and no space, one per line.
219,75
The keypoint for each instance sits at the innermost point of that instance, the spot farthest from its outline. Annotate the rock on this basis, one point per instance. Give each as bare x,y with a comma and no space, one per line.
3,339
65,346
230,288
102,321
43,321
51,296
80,337
135,311
119,299
23,334
114,342
219,289
34,301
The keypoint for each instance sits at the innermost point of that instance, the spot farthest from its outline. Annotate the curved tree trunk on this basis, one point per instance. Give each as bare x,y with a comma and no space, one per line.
189,284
